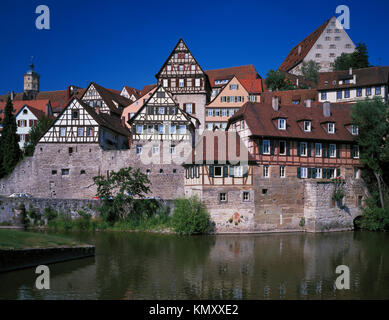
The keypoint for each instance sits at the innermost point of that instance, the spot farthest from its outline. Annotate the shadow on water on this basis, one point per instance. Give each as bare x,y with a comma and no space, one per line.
267,266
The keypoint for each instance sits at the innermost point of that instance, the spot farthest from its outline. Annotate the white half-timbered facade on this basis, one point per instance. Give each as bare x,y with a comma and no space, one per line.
79,123
181,73
160,118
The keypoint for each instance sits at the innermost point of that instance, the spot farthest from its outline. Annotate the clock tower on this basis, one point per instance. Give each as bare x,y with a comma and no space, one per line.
31,83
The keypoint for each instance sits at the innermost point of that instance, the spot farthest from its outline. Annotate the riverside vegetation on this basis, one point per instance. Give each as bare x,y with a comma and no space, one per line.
124,207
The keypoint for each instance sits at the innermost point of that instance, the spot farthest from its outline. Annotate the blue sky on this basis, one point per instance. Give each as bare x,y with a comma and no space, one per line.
121,42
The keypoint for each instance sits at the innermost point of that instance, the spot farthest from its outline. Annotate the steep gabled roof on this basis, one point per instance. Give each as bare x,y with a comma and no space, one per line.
147,88
42,105
287,97
260,120
241,72
110,95
132,91
299,52
173,51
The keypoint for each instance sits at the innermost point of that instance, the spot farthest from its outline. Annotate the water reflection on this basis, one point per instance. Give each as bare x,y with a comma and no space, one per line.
272,266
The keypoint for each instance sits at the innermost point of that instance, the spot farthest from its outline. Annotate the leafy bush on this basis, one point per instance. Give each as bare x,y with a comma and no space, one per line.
190,217
374,218
50,214
34,214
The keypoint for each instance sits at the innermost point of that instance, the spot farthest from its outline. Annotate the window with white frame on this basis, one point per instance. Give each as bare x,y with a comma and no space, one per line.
172,149
377,91
193,67
223,197
139,149
237,171
282,124
304,173
319,173
266,146
80,132
282,171
266,171
324,95
188,108
161,129
303,149
355,151
318,149
139,128
169,67
181,83
172,129
354,130
233,87
63,132
197,82
307,126
165,83
331,127
161,110
332,150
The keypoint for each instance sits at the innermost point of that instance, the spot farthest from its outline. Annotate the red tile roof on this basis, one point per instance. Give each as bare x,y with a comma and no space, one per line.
241,72
38,105
299,52
259,118
133,91
364,77
287,97
147,89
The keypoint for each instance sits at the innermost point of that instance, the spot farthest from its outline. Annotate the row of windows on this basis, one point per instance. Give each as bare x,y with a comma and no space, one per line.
331,55
224,112
155,149
337,38
161,110
223,196
66,172
161,129
81,131
232,99
333,30
307,126
318,173
25,123
216,125
181,82
333,46
181,67
340,94
304,149
218,171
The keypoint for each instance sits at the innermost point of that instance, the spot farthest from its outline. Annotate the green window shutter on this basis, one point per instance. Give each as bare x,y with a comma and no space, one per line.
299,172
231,171
260,146
225,171
272,147
338,150
314,173
338,172
245,171
324,173
352,155
325,150
298,148
187,173
309,173
211,170
309,149
288,148
329,171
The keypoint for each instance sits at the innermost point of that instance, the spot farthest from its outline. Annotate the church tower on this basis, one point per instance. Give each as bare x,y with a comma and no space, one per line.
31,83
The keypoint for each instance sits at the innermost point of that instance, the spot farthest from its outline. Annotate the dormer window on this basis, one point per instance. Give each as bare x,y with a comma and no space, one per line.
354,130
169,67
233,87
331,127
75,114
282,124
307,126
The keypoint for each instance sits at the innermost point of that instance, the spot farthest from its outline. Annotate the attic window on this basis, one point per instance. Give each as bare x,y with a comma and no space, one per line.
307,126
25,111
282,124
331,127
75,114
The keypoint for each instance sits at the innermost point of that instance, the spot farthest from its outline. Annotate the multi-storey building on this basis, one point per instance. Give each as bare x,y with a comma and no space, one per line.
27,113
184,78
130,93
353,85
323,46
231,88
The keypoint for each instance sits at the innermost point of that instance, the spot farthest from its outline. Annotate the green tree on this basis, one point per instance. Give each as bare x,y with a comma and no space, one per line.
310,70
276,81
119,191
36,133
190,217
371,117
357,60
10,152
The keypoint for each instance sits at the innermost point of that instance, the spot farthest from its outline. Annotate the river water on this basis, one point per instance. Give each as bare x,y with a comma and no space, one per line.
262,266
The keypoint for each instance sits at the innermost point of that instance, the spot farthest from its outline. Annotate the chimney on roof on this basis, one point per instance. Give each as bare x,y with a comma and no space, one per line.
299,50
308,103
327,109
297,82
12,95
274,103
350,71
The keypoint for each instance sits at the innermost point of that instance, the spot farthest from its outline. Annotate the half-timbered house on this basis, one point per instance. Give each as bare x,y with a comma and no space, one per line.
183,77
79,124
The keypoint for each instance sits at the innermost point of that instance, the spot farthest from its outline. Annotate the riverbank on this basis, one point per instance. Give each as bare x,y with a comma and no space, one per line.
22,249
